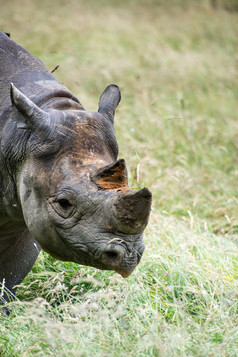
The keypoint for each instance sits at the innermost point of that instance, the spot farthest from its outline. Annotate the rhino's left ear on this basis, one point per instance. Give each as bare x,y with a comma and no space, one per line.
108,102
27,115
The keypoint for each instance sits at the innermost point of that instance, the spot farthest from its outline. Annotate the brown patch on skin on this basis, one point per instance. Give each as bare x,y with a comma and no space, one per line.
108,227
112,177
89,145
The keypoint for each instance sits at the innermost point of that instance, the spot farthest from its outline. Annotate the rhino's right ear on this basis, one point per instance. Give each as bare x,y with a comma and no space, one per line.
26,115
113,176
108,102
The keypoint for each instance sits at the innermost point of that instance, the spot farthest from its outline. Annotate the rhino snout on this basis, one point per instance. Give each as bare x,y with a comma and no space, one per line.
112,256
120,259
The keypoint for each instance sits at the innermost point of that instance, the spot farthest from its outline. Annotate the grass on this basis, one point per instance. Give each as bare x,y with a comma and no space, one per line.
176,63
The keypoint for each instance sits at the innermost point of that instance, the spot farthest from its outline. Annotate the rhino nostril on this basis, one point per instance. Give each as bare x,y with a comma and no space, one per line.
112,258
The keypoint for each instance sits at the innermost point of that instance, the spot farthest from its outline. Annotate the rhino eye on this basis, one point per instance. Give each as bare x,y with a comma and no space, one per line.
64,205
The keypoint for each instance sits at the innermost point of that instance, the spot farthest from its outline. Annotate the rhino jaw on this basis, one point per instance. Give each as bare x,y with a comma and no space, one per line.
124,274
113,258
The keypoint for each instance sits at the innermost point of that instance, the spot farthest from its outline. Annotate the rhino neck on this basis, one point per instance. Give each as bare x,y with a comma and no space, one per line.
50,94
61,101
31,77
53,95
46,91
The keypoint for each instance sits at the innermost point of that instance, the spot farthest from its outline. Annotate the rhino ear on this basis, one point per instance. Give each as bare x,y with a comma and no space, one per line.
27,114
113,176
108,102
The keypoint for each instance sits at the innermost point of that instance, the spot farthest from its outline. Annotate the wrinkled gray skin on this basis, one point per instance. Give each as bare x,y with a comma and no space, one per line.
61,186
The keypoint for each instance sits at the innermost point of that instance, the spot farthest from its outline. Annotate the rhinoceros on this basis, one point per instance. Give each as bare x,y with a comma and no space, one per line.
62,187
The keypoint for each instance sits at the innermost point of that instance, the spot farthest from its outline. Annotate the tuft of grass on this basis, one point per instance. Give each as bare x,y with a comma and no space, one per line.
181,301
177,128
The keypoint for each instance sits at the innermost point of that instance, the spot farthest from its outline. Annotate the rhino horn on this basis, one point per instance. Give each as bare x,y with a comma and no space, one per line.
131,210
28,114
108,102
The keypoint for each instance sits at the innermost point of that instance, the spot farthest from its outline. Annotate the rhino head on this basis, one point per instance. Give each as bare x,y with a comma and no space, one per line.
73,190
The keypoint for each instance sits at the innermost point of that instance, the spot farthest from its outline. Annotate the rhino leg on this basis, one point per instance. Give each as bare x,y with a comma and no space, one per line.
17,256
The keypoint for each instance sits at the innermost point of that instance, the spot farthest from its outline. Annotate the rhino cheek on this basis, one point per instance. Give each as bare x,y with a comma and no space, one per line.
83,248
106,250
37,220
45,234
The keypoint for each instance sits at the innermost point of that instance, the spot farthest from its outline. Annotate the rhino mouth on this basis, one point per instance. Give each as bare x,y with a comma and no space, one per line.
115,254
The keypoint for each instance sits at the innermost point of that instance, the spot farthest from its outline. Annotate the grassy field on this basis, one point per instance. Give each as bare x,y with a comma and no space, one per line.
177,127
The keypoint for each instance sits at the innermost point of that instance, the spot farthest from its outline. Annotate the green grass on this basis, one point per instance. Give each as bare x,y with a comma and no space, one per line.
177,126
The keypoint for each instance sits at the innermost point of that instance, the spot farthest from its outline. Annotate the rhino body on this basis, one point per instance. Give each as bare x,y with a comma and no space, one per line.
62,187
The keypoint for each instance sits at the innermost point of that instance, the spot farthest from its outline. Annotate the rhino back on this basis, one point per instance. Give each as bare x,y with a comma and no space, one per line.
14,61
28,74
